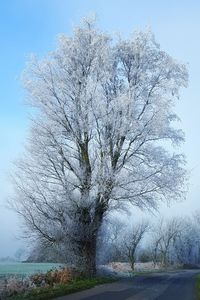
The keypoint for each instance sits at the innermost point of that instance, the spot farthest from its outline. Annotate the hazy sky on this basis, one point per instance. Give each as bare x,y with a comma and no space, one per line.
31,26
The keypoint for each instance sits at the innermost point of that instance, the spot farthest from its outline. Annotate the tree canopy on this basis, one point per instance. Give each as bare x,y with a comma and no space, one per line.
97,142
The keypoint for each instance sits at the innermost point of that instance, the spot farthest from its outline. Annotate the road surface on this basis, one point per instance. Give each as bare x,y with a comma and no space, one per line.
179,285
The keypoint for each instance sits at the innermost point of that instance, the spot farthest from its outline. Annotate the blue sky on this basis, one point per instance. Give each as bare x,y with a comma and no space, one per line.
31,26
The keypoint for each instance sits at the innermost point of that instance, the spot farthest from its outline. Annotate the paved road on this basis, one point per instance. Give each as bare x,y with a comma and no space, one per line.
160,286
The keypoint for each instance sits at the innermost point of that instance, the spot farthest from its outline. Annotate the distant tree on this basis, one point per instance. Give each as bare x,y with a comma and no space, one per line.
20,254
43,252
145,254
104,109
110,241
166,233
132,240
187,245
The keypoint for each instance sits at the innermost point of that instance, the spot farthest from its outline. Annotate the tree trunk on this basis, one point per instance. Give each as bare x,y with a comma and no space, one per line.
131,259
88,257
88,230
132,265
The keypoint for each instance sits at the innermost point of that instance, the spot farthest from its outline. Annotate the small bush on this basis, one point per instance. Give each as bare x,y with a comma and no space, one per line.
14,286
52,277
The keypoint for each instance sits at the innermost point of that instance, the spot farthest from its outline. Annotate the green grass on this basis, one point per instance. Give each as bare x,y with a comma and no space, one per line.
197,284
61,289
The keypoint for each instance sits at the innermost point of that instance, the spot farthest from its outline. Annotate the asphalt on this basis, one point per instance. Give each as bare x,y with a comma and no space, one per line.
176,285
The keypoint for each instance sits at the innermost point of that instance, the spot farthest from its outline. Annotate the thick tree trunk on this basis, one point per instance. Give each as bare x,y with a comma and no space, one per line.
86,262
89,257
87,244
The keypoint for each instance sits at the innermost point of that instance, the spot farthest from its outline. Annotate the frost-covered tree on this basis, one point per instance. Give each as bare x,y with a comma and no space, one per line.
110,245
97,142
187,245
165,236
132,240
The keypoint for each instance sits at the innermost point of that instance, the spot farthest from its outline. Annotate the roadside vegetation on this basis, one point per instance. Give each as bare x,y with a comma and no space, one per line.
123,249
198,286
166,244
52,284
60,289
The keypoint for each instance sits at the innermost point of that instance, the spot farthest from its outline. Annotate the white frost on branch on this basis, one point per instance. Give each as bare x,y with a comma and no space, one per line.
105,112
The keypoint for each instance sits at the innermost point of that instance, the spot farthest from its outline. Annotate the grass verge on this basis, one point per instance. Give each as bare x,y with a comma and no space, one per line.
197,285
58,290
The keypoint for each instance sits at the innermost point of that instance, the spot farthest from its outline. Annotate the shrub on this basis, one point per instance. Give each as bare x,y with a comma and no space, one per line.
52,277
14,286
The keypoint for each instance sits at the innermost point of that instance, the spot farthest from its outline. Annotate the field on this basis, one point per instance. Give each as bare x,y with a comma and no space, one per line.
24,269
